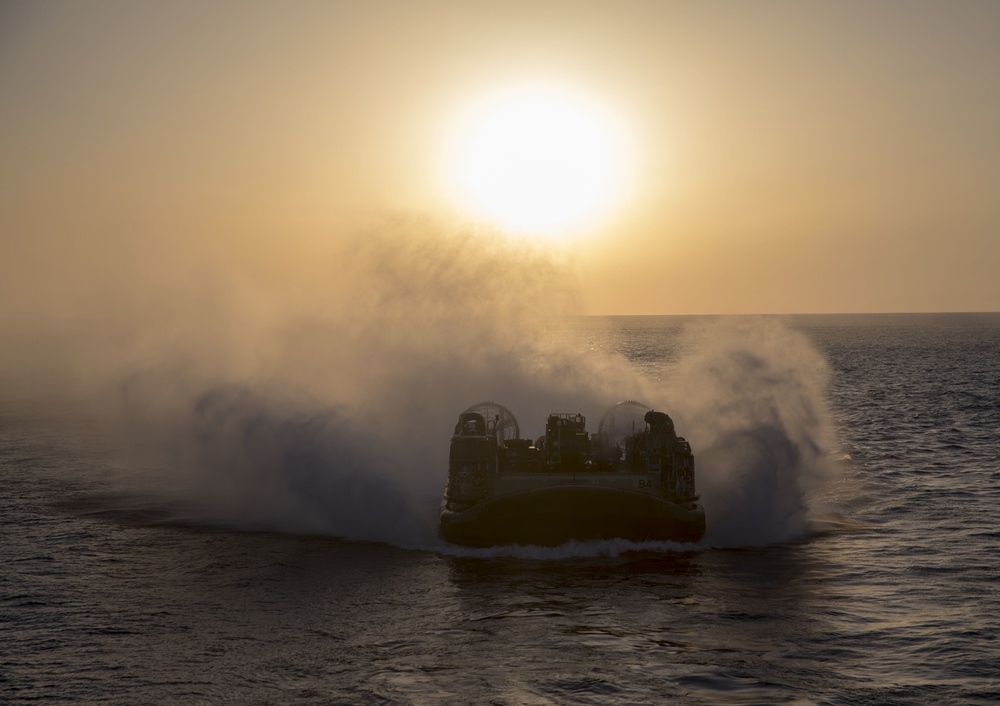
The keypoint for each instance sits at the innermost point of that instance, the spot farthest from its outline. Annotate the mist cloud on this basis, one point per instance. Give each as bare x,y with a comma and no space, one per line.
305,384
751,395
327,406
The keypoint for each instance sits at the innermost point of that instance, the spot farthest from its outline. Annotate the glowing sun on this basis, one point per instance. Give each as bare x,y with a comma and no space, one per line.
538,160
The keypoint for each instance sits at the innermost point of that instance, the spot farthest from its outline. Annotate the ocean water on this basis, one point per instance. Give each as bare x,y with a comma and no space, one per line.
857,568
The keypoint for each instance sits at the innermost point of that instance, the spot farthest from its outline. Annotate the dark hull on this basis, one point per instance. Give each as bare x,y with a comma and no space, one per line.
556,515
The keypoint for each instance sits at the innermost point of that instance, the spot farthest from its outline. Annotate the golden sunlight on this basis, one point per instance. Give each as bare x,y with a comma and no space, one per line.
538,160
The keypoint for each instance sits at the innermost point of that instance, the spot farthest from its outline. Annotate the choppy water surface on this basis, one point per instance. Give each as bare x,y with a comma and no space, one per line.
891,597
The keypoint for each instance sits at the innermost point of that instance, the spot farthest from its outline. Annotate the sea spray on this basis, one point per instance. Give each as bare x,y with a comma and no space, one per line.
252,459
313,388
342,427
750,394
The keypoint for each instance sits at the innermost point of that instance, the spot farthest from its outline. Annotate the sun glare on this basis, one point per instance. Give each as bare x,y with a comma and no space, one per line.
538,160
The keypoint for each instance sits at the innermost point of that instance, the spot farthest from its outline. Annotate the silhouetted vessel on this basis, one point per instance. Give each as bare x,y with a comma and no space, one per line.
633,479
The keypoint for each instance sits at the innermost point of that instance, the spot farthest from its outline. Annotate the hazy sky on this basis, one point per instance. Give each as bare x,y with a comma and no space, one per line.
786,156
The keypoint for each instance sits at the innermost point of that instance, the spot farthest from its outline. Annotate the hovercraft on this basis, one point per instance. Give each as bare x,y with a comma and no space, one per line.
633,479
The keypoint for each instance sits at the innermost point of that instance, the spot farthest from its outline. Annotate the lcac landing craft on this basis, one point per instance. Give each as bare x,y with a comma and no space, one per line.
633,479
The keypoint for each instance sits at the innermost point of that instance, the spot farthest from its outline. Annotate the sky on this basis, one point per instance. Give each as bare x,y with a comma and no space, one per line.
773,157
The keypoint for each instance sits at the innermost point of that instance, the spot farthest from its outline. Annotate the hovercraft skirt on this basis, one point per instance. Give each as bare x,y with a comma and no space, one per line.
554,515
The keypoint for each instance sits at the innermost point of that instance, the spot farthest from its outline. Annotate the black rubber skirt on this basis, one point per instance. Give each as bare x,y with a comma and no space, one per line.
556,515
